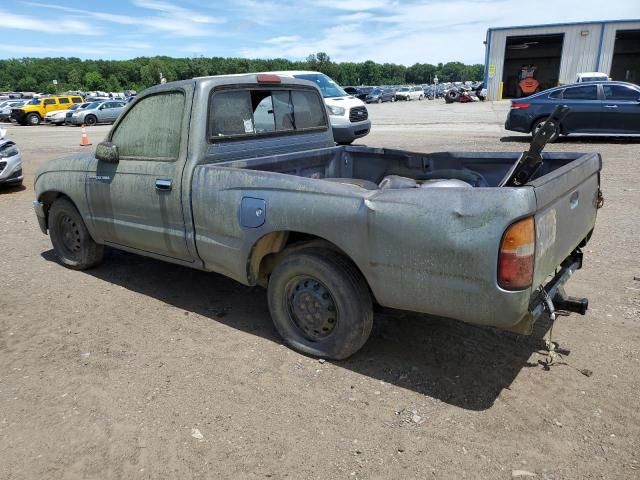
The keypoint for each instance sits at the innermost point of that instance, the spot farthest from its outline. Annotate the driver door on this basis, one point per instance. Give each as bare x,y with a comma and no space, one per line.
137,202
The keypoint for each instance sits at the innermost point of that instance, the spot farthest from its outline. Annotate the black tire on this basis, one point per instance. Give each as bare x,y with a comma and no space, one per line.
70,238
90,120
325,284
33,119
538,123
453,95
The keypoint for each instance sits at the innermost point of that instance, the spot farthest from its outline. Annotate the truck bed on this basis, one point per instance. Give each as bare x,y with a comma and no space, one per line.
431,250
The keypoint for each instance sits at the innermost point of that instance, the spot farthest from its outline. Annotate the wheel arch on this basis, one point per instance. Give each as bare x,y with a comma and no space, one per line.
541,117
269,249
47,198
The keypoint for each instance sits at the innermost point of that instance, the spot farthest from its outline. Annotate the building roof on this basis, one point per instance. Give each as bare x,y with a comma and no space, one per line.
567,24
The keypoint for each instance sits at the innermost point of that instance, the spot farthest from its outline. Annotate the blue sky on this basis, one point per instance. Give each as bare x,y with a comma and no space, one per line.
348,30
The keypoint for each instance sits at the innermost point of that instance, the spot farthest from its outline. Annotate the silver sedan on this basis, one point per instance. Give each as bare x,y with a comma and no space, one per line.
97,112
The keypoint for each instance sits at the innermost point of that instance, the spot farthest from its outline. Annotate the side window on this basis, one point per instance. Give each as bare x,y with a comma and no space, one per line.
76,100
63,100
589,92
152,129
49,101
556,94
620,93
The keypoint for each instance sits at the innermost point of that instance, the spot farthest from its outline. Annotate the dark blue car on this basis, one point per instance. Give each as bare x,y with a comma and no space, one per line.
597,108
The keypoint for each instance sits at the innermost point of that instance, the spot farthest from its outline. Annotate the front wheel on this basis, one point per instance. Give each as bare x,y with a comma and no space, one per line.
90,120
538,125
320,303
70,238
33,119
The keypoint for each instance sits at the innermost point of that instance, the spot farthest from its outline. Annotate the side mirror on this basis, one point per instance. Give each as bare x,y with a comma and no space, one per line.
107,152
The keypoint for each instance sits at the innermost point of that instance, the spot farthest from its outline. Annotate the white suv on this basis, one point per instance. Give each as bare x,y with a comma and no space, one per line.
410,93
348,115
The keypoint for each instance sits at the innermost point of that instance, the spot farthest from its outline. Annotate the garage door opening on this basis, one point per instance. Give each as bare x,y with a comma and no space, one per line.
531,63
625,65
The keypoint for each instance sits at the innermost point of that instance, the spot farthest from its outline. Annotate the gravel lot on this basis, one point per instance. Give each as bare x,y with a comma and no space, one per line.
141,369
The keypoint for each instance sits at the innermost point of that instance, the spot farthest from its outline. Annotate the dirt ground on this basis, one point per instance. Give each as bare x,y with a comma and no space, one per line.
141,369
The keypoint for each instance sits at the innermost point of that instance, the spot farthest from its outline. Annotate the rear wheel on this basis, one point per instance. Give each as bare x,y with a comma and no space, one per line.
70,238
320,304
538,125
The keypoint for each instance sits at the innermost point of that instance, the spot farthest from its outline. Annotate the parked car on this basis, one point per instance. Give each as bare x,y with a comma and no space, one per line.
186,176
349,116
379,95
58,117
611,108
97,112
10,162
592,77
69,113
410,93
34,111
6,106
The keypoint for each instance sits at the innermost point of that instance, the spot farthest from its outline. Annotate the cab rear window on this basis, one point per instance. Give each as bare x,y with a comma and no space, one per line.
250,112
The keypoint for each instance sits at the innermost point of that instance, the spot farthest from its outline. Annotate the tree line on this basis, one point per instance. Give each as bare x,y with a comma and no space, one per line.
38,74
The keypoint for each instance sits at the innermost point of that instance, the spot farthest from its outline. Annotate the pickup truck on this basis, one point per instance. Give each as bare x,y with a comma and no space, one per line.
240,175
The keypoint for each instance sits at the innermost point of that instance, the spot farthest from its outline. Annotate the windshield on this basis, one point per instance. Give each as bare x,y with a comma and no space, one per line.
328,87
592,79
35,101
375,91
404,89
93,105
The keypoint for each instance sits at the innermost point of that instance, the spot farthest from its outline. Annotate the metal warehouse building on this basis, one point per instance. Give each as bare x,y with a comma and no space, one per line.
559,52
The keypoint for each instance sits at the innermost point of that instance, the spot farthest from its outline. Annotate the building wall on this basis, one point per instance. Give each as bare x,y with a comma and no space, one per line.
579,51
609,40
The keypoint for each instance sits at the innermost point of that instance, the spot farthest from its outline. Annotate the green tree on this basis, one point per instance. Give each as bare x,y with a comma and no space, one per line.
94,81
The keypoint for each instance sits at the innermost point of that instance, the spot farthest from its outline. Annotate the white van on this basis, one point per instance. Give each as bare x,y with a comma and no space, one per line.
349,116
592,77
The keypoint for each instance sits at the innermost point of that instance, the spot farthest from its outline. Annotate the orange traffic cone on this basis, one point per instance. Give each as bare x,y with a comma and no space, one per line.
85,140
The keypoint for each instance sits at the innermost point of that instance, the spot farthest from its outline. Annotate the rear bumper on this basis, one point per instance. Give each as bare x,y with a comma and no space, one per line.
517,122
554,289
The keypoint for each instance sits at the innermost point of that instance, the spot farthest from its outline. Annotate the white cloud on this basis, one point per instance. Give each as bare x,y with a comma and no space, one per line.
355,5
41,24
284,40
98,49
439,31
171,19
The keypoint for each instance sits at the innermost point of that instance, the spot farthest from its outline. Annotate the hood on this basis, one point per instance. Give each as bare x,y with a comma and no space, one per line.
77,162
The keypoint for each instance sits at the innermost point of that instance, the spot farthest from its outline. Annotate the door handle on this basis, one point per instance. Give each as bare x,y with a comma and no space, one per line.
163,185
611,106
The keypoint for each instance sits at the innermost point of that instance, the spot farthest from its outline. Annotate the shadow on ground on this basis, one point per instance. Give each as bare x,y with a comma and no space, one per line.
460,364
578,139
6,190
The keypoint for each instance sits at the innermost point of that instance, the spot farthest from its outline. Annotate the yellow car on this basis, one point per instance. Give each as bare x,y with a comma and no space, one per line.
32,112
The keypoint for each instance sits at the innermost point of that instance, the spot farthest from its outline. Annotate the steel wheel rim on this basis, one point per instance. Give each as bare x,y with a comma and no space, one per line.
70,233
311,308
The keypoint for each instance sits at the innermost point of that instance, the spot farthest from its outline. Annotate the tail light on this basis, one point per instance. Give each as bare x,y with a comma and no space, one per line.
519,106
517,256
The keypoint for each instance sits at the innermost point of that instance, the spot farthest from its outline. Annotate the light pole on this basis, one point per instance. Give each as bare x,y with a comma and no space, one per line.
435,87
